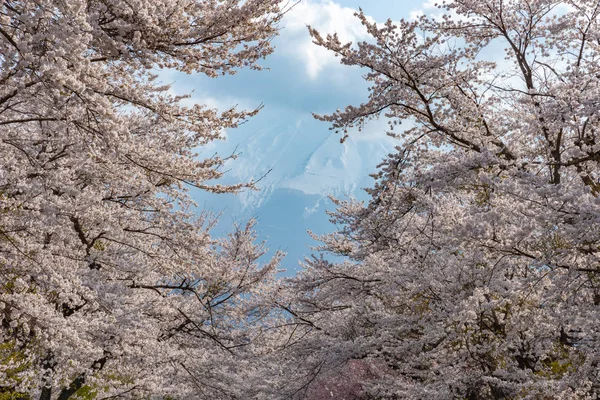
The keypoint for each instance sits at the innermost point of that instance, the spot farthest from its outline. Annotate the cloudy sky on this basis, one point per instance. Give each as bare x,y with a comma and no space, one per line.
306,160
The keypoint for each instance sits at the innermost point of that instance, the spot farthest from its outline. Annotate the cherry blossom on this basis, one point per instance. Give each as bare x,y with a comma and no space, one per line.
110,283
473,270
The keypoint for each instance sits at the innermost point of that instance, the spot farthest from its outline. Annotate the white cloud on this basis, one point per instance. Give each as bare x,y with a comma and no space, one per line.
327,17
426,8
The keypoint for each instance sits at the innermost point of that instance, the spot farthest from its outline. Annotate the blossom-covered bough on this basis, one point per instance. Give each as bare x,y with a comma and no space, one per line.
473,271
110,284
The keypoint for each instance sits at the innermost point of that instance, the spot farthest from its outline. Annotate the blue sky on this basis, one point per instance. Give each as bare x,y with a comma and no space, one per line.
306,159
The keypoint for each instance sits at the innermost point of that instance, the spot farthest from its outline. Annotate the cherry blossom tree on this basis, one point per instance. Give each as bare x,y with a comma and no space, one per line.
110,283
473,270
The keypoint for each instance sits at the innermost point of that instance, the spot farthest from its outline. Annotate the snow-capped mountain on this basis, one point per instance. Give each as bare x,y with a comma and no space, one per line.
305,163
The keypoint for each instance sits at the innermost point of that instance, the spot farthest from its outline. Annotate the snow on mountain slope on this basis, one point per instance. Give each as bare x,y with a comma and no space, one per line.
307,157
307,163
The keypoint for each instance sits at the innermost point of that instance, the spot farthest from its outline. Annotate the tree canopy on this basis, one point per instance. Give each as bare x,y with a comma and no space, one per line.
110,283
473,270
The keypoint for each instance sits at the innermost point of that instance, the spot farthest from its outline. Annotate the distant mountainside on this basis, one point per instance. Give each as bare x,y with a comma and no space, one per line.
305,163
